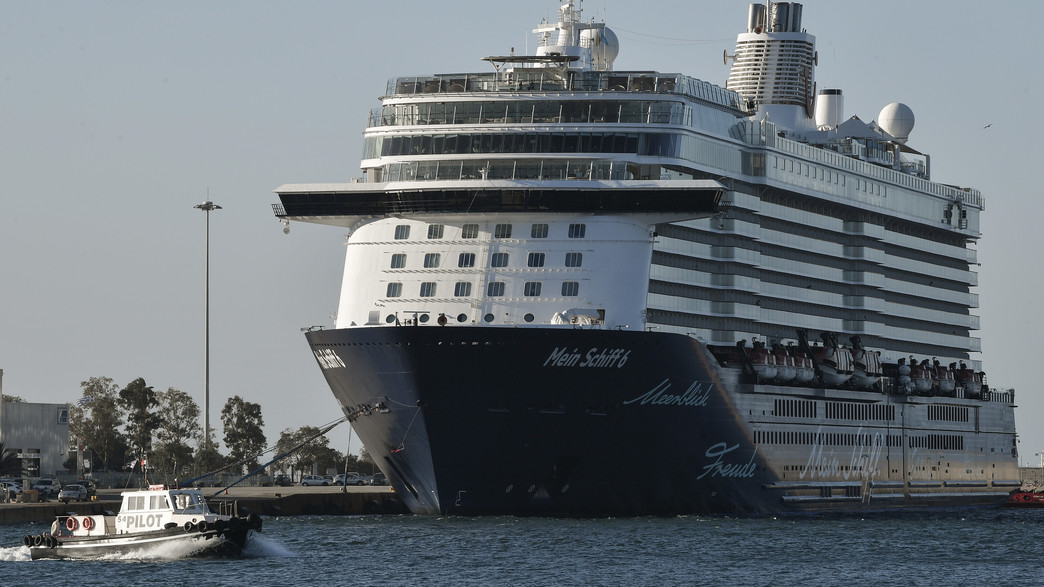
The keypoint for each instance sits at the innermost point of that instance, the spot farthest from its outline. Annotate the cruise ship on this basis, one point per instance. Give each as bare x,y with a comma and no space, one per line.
576,291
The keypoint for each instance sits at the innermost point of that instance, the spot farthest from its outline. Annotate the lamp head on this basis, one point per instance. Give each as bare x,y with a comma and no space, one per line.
207,206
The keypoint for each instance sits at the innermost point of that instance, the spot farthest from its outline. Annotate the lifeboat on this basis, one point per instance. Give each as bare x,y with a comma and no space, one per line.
920,377
804,371
835,363
904,376
943,379
762,361
969,380
786,369
866,365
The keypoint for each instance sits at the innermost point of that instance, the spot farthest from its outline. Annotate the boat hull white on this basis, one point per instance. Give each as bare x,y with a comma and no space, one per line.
227,538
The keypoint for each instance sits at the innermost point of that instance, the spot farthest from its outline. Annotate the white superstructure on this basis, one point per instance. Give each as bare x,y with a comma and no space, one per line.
544,222
836,229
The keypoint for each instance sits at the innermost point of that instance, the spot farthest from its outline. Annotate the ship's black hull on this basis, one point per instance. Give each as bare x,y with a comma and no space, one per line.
571,422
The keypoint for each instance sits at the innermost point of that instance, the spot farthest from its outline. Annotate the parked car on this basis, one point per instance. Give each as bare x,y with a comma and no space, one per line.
89,485
72,492
379,479
349,479
47,486
13,487
282,480
314,480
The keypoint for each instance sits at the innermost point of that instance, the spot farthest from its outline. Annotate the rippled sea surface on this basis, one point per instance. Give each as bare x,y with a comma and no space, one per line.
996,547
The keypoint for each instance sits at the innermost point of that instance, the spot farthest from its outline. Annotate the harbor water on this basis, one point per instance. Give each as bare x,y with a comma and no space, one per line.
995,547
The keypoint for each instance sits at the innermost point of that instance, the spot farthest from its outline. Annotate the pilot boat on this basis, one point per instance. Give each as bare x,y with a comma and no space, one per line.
147,519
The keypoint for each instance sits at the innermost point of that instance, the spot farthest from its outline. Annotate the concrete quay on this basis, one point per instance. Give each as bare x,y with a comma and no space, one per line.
266,501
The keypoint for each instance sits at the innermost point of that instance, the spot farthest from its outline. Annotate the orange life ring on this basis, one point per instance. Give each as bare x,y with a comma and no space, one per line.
71,524
88,524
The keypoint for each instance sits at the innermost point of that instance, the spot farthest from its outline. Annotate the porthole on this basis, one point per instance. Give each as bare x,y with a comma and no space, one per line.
390,318
462,317
488,317
528,317
424,318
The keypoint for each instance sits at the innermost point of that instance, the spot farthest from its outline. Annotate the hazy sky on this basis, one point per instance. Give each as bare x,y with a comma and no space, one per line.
116,118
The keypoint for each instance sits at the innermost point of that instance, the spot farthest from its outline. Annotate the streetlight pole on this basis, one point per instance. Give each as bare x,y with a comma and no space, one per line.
206,207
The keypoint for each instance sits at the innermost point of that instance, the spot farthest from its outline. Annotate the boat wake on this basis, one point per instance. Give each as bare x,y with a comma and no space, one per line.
261,546
15,554
257,546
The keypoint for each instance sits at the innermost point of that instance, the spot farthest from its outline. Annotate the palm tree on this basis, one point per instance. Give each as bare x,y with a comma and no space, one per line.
10,464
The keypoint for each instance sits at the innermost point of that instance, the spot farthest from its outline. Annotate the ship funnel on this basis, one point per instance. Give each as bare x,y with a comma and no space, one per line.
830,109
774,65
756,18
785,17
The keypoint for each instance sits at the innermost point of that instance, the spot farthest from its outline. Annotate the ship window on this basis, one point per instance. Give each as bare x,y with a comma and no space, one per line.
577,230
536,260
402,232
394,290
427,289
398,261
462,289
469,231
466,260
432,260
488,317
462,317
498,260
574,259
529,317
436,230
502,231
570,288
390,318
539,231
495,289
532,288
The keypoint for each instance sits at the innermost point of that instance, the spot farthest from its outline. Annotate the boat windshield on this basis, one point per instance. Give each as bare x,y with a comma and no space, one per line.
189,503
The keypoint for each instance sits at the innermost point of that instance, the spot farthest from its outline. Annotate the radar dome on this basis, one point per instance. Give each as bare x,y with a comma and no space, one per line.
605,46
897,120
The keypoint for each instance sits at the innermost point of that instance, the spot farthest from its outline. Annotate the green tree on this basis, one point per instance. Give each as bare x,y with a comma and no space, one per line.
206,460
138,399
96,419
315,450
14,399
244,436
178,421
365,462
10,464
